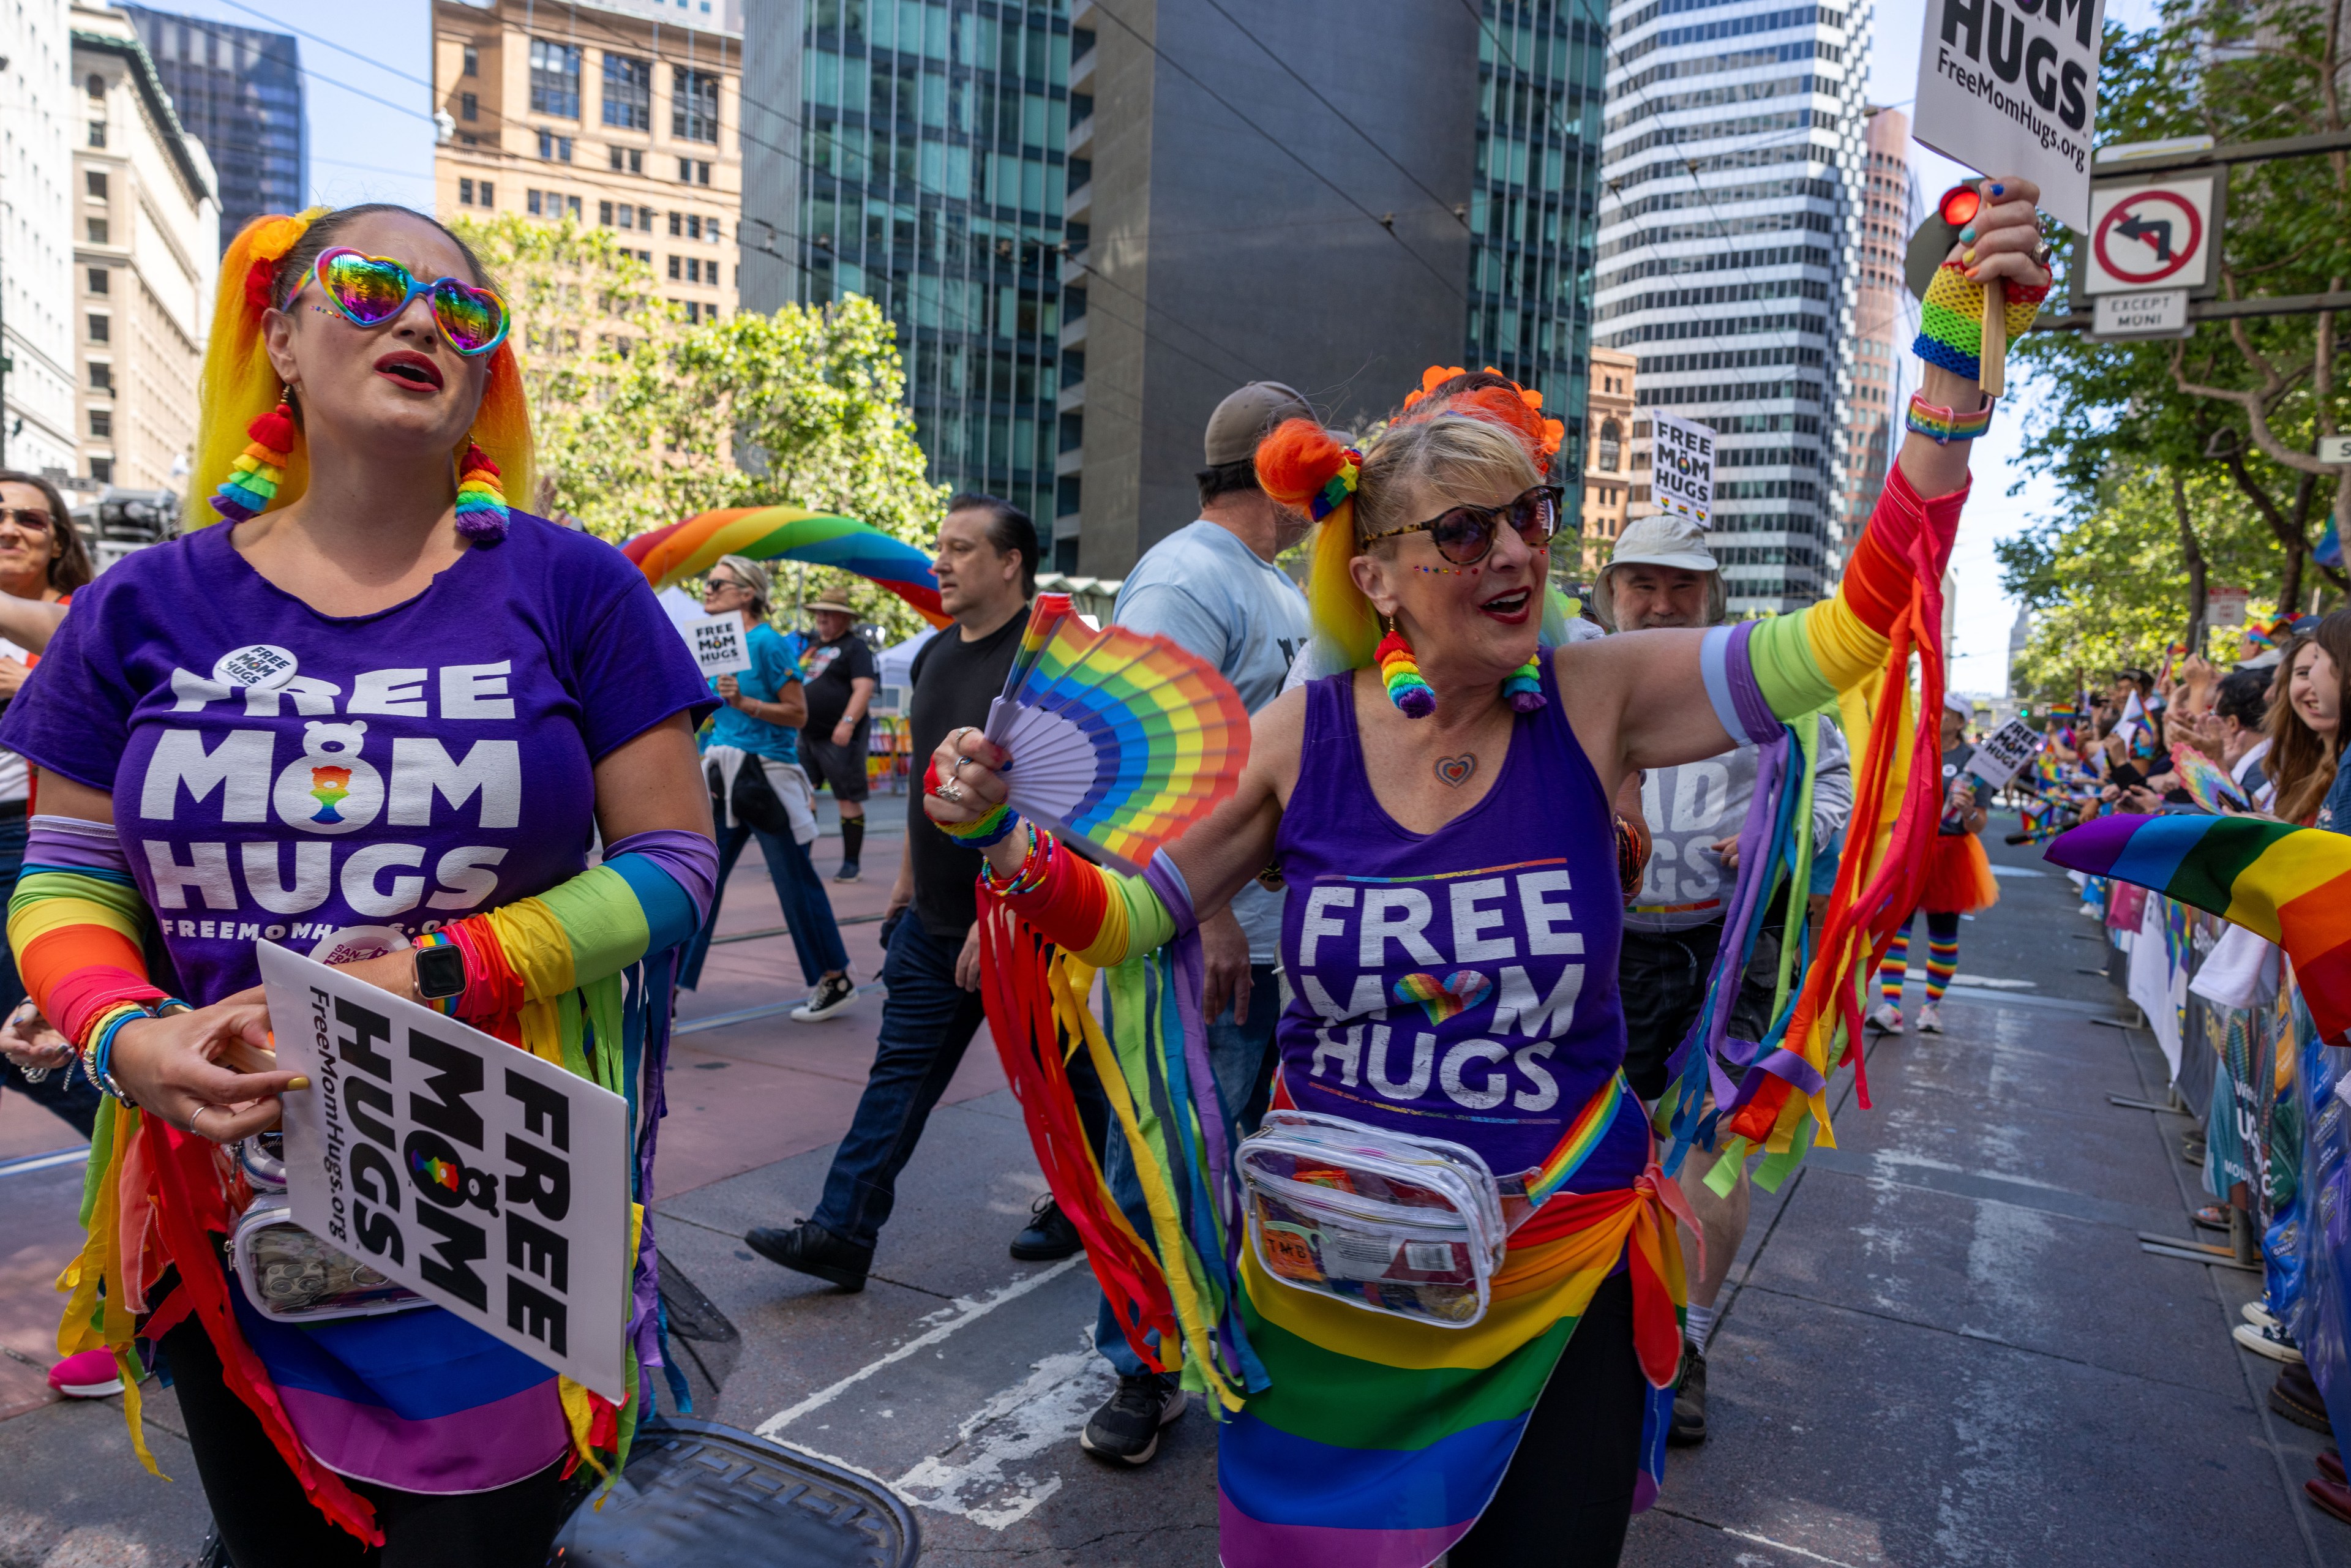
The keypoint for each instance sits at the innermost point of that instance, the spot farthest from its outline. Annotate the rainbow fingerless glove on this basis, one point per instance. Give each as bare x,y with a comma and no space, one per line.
1950,322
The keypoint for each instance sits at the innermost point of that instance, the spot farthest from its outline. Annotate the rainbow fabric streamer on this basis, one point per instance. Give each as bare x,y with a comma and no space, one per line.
1120,742
2207,782
2287,885
787,533
1583,1134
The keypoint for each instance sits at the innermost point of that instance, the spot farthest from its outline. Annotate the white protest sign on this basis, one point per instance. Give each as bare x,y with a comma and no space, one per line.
2004,752
2008,91
483,1178
718,644
1681,465
2224,608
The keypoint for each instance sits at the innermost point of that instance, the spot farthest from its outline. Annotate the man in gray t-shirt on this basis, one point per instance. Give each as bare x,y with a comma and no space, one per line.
1211,588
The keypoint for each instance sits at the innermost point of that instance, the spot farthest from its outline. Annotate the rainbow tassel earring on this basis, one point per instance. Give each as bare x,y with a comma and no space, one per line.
253,479
1524,687
1400,672
481,502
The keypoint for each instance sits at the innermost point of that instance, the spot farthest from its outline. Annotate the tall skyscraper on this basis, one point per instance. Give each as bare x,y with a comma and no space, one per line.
1881,372
37,230
619,116
919,153
239,91
1093,222
144,269
1735,174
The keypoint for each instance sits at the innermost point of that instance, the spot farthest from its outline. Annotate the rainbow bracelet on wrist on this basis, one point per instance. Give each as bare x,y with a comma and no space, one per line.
1941,426
989,830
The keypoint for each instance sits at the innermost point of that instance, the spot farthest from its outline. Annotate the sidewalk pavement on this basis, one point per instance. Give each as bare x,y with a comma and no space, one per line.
1944,1345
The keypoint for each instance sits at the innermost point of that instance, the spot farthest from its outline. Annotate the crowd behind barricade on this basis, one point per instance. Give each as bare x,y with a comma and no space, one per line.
2245,1058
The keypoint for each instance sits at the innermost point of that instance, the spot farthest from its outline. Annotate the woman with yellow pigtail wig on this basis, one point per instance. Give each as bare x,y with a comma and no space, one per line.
363,709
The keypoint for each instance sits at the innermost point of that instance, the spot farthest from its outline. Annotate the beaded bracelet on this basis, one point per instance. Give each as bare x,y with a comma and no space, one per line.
1031,873
989,830
1942,427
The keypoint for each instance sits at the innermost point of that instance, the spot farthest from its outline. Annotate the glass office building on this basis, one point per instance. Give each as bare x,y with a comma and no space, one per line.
925,167
239,91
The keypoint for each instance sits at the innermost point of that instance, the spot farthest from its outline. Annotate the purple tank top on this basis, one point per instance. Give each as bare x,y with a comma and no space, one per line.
1459,984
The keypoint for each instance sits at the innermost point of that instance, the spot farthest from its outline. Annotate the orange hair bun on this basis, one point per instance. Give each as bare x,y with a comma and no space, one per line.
1297,461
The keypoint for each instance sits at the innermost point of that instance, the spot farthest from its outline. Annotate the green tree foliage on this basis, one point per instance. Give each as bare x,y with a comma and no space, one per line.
2233,411
644,418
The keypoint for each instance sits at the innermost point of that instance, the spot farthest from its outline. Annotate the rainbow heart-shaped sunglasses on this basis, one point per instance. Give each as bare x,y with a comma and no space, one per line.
370,290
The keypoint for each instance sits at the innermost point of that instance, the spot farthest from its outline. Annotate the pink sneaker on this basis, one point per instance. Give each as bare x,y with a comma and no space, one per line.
91,1374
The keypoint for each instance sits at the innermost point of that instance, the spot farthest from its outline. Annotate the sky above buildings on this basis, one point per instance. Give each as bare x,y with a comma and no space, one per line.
367,67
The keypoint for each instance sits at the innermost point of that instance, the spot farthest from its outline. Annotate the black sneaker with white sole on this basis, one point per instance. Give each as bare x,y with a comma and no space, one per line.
833,993
1126,1428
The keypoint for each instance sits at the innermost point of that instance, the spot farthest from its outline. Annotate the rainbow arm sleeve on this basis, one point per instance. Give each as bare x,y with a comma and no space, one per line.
652,891
1793,664
1102,917
75,924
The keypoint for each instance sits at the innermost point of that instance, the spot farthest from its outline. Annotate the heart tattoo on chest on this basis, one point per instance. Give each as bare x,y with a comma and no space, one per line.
1455,770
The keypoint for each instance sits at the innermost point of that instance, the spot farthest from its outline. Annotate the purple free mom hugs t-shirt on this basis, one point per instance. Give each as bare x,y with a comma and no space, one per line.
328,782
336,784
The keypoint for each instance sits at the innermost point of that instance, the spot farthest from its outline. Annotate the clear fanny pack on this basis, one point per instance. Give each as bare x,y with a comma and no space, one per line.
291,1274
1380,1220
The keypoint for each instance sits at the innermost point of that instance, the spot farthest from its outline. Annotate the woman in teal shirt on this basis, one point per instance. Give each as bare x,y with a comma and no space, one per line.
752,746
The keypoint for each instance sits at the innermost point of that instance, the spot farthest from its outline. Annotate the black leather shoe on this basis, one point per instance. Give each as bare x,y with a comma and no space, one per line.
1689,1427
1049,1237
812,1249
2295,1396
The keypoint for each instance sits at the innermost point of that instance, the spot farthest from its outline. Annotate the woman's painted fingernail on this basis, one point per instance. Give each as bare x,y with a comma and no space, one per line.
1968,234
1969,256
1997,190
298,1082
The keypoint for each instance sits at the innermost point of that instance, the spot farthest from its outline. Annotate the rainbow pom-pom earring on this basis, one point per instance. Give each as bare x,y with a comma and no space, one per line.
1524,687
253,479
1400,672
482,512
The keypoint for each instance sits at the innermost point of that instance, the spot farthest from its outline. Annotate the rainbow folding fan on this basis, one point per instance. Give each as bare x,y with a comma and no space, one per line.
1119,742
2207,782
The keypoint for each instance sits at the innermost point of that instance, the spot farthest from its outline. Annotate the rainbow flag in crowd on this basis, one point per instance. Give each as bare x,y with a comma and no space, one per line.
2262,639
2288,885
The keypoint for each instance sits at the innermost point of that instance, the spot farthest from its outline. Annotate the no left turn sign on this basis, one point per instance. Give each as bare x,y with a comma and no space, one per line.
2150,236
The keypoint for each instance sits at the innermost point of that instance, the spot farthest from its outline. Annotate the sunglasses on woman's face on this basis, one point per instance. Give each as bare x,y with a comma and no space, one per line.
32,519
370,290
1465,534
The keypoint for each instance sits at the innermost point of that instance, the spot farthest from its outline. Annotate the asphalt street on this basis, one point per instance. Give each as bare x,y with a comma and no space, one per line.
1945,1343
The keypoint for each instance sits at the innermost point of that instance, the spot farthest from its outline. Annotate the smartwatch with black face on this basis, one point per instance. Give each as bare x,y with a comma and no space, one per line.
440,972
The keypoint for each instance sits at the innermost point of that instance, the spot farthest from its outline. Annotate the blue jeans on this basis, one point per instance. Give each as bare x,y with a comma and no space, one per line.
65,1091
926,1021
1240,1053
807,911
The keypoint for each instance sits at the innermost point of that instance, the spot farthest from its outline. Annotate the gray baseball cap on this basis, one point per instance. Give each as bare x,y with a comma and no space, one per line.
1663,538
1245,418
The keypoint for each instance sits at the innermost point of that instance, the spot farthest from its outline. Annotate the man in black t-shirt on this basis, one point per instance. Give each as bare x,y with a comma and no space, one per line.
842,676
986,568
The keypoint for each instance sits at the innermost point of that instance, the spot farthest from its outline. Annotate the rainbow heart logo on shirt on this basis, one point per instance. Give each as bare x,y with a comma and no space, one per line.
1442,999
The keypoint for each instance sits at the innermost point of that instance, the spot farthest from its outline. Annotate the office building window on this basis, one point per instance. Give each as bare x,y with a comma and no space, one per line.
605,213
553,147
98,133
469,105
102,376
628,93
677,267
101,425
95,85
555,78
485,194
101,327
97,228
473,61
676,224
465,192
710,231
628,159
694,105
1612,446
645,221
103,470
100,280
94,181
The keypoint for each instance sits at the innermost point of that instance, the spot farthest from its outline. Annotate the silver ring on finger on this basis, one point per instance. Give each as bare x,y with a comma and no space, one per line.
199,1111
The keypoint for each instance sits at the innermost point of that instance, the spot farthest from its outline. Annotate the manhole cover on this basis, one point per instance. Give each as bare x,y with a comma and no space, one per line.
699,1495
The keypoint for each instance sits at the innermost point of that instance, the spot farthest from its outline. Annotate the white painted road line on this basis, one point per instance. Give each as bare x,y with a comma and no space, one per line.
45,1162
967,1310
988,1474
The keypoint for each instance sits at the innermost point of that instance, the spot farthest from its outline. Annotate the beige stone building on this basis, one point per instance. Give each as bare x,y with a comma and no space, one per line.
146,225
1607,455
610,115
